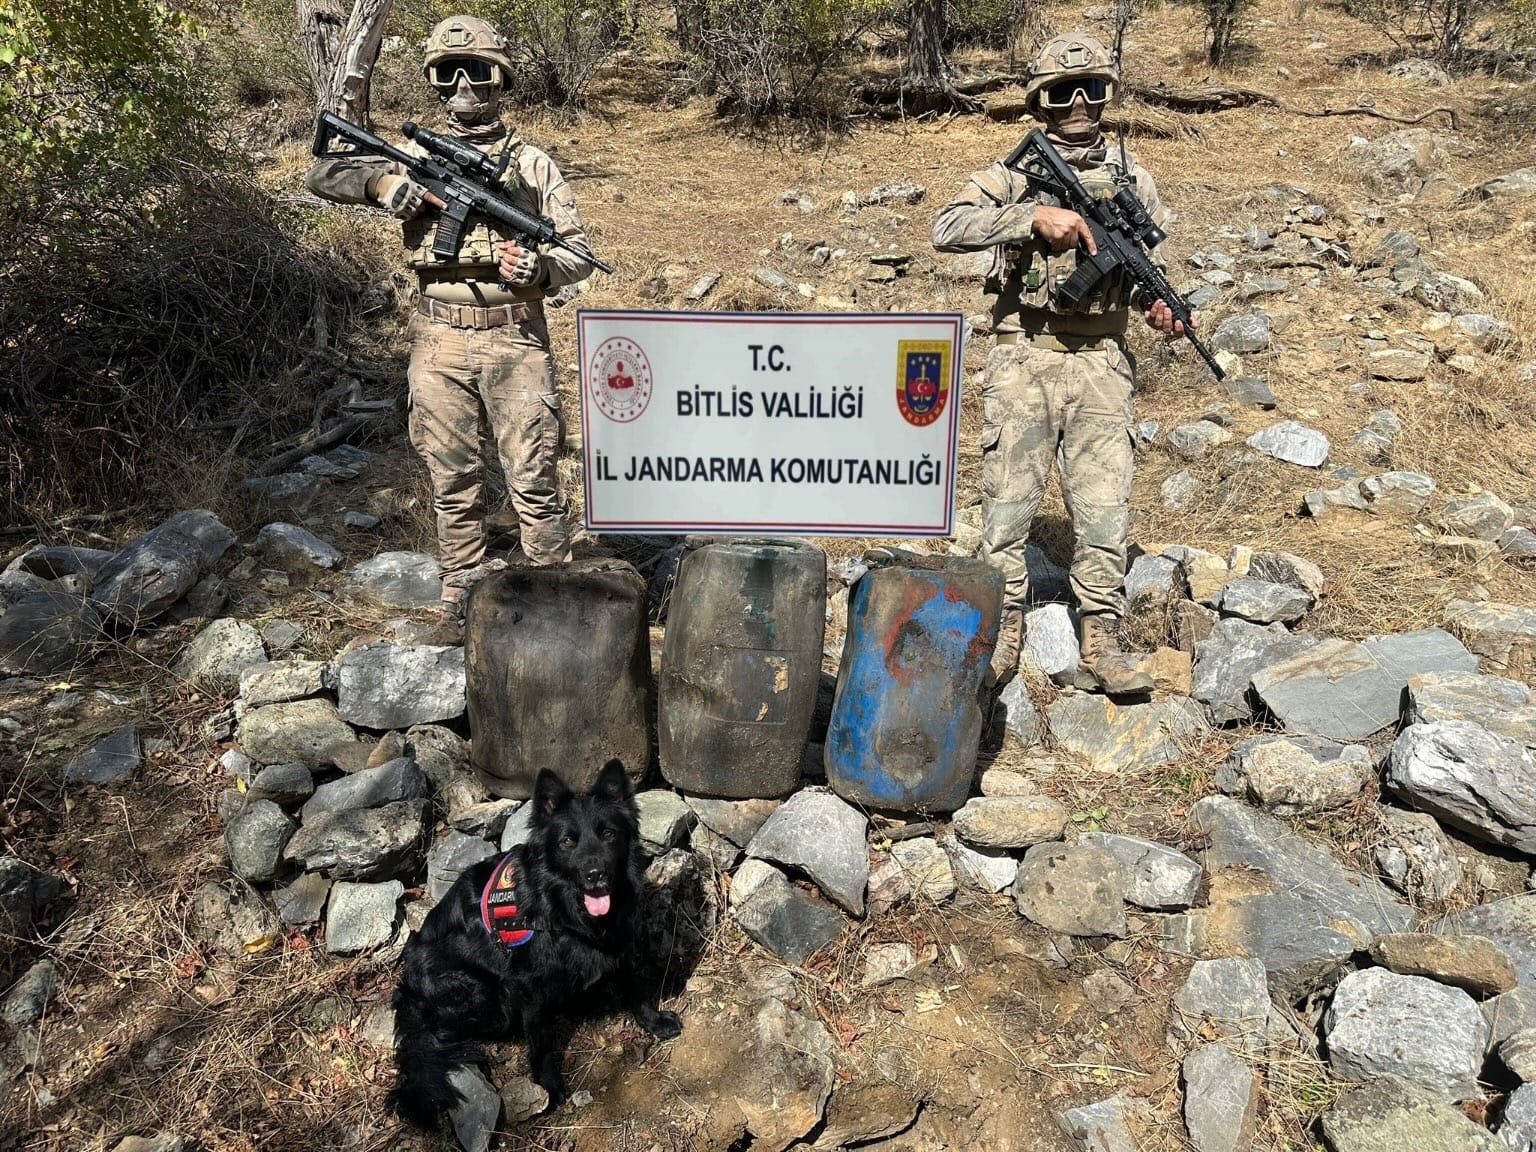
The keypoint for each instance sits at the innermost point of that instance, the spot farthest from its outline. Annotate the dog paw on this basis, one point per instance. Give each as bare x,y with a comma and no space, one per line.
665,1025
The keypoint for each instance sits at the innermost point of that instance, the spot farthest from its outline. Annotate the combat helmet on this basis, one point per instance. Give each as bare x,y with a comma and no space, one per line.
460,36
1073,56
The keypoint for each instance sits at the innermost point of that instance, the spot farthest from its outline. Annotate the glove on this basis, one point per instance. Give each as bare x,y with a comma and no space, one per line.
400,196
521,270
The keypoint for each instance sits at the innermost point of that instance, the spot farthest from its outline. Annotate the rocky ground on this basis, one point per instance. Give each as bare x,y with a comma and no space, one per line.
1281,902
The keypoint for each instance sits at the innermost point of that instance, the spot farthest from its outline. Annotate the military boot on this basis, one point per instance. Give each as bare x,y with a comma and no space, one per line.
1118,672
1010,641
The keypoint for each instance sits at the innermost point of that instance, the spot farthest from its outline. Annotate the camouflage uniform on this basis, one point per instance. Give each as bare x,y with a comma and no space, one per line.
1058,385
480,353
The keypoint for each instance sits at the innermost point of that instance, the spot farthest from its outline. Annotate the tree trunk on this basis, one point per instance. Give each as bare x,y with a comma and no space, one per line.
341,51
926,83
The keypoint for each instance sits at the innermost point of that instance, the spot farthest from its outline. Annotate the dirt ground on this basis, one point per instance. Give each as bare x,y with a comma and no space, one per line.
149,1032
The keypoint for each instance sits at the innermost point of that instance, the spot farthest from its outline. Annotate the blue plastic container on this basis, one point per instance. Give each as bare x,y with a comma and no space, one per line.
906,721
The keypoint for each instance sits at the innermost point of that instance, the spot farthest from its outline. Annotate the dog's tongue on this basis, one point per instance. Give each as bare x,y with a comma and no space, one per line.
597,905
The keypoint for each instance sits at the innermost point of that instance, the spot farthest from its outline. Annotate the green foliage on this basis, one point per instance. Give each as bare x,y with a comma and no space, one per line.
775,57
92,90
988,23
1438,28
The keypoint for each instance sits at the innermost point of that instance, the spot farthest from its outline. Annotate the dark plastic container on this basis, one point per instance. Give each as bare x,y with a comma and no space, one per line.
740,666
906,721
559,674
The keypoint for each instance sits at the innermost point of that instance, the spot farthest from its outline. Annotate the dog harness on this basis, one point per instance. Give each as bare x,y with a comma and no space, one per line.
500,911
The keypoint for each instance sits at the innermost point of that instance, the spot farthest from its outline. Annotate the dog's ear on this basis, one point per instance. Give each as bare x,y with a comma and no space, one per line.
549,794
613,783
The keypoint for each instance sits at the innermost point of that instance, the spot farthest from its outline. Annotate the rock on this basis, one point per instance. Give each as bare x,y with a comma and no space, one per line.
1510,923
1320,502
1416,857
522,1099
1296,776
1292,443
485,819
1518,544
1476,780
1424,71
1179,489
1152,582
1099,1127
1397,364
1192,623
822,836
1125,737
1398,162
370,844
1392,249
1019,715
111,760
771,280
477,1109
399,779
1504,635
1484,332
1492,702
1195,441
779,916
1473,963
1397,493
1482,517
927,867
736,820
889,194
281,681
1226,661
299,731
398,685
518,828
289,546
1250,392
361,521
1348,691
1518,1127
227,915
982,869
1010,821
793,1060
1152,875
159,1142
885,963
1242,334
1284,568
361,916
1265,602
255,840
451,855
290,493
221,652
1072,889
282,635
1303,915
1393,1116
1517,185
1382,1024
1051,641
1518,1052
46,631
702,287
1229,997
303,902
57,562
888,885
25,894
664,820
863,1113
160,567
1221,1100
1205,574
1172,672
1107,992
26,1002
403,580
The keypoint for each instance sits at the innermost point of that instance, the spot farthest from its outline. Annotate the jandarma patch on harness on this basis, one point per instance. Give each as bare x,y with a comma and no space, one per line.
500,910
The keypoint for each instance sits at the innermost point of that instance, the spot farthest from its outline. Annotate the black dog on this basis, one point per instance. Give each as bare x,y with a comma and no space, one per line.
563,910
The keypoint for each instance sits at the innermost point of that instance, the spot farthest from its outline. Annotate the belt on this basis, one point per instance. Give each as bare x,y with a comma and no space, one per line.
1056,341
468,316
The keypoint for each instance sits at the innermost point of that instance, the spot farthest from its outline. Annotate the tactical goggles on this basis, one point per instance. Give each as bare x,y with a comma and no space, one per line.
445,73
1093,89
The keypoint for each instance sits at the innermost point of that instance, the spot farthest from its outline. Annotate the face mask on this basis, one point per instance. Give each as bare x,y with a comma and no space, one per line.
1078,124
473,103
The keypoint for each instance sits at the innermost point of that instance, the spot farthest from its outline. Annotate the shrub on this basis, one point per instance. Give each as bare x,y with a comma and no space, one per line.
989,23
1223,20
1439,28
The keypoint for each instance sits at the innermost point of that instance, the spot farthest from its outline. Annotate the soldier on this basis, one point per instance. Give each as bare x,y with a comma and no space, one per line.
479,342
1058,384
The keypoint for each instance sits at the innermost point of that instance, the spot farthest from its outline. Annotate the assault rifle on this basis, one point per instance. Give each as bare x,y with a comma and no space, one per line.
1122,230
459,175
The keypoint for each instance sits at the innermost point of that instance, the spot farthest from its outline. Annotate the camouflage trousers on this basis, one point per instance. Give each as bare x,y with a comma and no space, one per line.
1039,406
463,381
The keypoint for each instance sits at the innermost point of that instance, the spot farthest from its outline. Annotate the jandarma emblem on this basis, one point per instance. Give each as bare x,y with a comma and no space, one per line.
922,380
619,379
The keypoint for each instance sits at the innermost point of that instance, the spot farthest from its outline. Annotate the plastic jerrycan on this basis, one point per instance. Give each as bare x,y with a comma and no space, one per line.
740,666
906,720
558,663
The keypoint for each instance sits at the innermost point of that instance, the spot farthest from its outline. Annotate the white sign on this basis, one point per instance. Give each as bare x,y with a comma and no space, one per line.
786,423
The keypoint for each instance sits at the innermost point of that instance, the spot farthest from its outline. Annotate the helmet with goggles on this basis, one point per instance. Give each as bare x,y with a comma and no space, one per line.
465,47
1071,66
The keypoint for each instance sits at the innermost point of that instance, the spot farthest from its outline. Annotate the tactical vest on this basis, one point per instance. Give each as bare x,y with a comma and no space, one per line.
483,236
